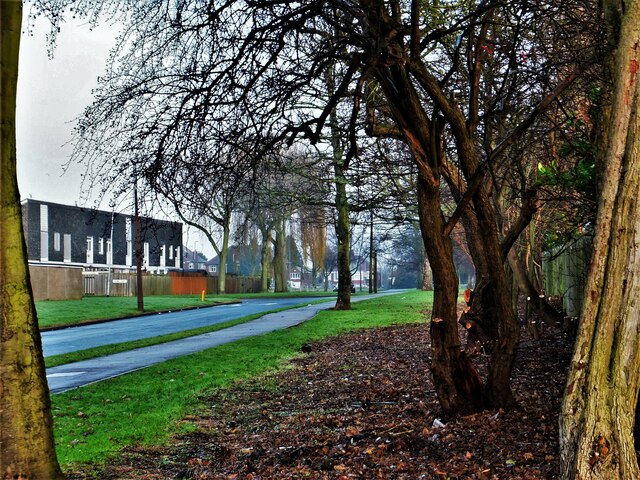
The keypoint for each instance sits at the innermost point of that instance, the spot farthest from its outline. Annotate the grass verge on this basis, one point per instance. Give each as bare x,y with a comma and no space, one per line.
89,353
77,356
95,352
144,407
53,313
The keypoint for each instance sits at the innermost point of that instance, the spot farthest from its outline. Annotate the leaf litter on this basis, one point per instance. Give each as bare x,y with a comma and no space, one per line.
362,406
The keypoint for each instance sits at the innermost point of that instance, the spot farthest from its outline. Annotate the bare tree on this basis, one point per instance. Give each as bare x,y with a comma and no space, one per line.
246,76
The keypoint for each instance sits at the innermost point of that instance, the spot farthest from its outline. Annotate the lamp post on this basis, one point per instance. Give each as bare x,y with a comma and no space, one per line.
195,254
110,258
136,215
371,254
375,271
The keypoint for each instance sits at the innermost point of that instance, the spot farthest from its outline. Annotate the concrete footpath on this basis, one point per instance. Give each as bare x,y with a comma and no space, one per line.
73,375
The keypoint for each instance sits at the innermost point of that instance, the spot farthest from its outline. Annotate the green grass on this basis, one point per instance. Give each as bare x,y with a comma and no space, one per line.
56,360
94,422
77,356
73,312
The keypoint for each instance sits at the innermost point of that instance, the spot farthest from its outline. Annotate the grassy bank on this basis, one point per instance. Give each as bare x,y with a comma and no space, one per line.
72,312
143,407
104,350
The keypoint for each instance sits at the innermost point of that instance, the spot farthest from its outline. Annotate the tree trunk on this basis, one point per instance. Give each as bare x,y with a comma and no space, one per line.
505,328
426,275
264,261
491,309
457,383
280,258
224,254
27,447
495,325
547,314
500,322
343,232
343,226
597,416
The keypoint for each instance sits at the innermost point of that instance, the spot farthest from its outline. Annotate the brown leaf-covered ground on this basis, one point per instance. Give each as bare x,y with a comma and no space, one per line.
362,406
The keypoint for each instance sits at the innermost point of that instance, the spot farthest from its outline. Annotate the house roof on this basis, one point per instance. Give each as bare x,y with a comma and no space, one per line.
193,256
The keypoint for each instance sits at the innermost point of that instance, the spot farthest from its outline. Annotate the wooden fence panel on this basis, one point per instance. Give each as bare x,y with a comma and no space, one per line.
565,274
56,283
234,284
122,284
213,285
157,285
177,283
188,285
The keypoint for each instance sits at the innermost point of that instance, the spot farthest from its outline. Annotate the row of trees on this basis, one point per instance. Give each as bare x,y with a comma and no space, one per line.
478,120
313,252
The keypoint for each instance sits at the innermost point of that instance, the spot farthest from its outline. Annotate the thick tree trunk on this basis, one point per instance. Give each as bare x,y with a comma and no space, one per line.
504,328
343,233
224,254
501,323
343,226
457,383
491,309
597,417
264,261
27,447
492,320
280,258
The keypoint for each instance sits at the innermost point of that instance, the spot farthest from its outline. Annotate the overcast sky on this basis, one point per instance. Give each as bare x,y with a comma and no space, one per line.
51,93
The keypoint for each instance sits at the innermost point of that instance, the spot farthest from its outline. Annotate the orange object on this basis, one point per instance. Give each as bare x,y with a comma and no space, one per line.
467,295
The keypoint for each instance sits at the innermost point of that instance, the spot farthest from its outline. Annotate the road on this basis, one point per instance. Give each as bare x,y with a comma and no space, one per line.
55,342
73,375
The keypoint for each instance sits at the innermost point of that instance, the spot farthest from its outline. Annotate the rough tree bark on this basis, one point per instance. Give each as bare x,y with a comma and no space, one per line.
457,384
343,225
280,257
597,417
343,232
502,325
27,447
265,256
426,275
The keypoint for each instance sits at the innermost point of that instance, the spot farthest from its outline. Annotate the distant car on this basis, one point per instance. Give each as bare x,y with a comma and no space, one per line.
353,289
